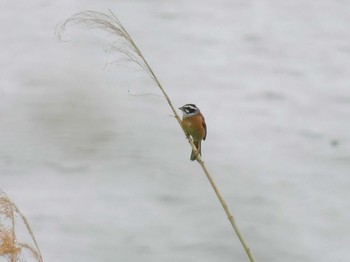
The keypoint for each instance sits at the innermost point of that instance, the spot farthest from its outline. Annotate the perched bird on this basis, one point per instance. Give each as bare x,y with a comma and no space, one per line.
194,125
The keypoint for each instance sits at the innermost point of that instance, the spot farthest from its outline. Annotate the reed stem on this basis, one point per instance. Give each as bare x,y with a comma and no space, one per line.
112,24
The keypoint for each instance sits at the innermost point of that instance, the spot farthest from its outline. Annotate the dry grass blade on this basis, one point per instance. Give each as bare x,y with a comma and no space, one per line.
10,247
98,20
125,44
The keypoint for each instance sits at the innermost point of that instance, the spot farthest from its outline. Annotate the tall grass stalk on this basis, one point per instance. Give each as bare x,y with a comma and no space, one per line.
126,45
11,247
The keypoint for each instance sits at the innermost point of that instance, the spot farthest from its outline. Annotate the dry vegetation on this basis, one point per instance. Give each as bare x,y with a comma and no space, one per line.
12,248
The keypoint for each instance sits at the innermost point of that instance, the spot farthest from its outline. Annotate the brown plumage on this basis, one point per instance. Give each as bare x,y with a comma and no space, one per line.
194,124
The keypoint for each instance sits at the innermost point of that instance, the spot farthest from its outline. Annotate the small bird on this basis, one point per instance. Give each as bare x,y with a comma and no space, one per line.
194,125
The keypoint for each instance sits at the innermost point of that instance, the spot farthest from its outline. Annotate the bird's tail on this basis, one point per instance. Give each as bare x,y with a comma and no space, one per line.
193,153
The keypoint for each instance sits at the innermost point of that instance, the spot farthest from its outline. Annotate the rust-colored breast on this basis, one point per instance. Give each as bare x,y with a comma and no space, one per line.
195,126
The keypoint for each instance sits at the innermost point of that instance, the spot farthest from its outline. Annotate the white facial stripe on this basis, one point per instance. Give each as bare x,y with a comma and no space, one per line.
190,110
191,106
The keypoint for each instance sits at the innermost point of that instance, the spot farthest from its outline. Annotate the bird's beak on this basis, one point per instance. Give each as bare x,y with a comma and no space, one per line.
181,108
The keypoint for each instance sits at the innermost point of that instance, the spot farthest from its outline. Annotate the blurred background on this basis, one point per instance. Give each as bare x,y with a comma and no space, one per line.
90,152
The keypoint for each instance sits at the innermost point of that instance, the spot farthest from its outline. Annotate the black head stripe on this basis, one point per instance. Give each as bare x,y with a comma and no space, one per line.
190,108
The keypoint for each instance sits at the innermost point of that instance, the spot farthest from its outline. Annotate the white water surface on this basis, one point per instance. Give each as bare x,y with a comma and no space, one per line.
101,169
